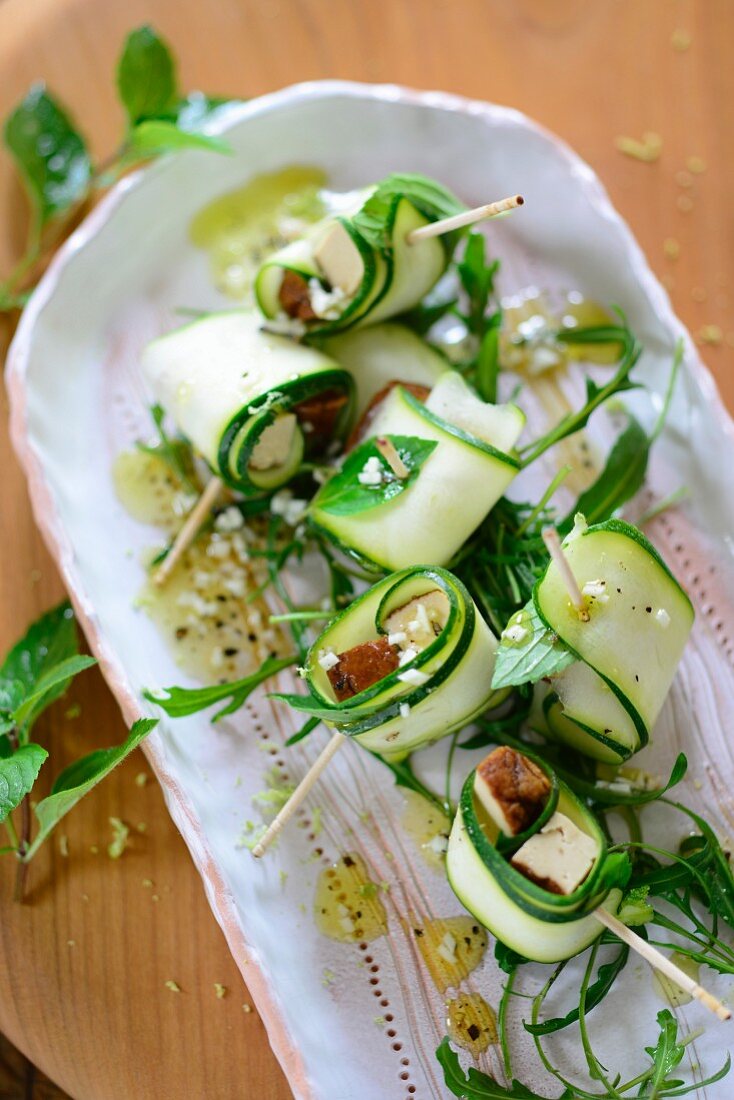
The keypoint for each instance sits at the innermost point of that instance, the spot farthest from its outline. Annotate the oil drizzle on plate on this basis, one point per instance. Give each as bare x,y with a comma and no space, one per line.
471,1023
665,987
529,326
451,948
427,827
347,904
241,228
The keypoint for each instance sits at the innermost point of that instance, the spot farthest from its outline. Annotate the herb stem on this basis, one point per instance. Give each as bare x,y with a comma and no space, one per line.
21,873
12,833
502,1022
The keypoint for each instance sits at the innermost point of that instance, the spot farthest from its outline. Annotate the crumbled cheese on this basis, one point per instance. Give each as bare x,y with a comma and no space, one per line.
230,519
662,617
397,638
283,325
327,659
325,303
220,990
447,949
414,677
216,657
291,509
173,986
407,655
372,473
404,710
438,844
235,585
182,503
597,590
217,547
515,633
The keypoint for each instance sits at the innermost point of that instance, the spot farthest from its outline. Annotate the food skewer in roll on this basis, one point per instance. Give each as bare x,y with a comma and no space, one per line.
357,267
530,862
405,664
469,217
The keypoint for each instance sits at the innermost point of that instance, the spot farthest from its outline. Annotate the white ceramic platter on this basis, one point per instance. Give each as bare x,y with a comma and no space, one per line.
350,1023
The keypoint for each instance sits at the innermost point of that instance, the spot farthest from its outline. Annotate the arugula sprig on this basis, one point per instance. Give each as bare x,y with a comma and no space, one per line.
35,673
54,160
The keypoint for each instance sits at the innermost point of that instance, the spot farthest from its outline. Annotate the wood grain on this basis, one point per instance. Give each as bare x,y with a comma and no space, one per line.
83,964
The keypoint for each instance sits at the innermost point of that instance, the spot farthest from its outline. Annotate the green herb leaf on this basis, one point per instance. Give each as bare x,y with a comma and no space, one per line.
622,477
596,992
430,198
176,453
146,76
79,778
308,727
507,959
406,777
18,772
666,1054
179,702
47,685
536,654
635,909
488,364
475,1085
346,495
50,154
477,281
155,136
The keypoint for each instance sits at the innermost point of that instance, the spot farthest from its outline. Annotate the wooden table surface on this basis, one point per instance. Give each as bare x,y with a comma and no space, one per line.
83,963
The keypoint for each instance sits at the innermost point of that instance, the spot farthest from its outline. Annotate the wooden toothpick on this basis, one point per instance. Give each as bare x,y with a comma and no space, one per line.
388,451
469,217
554,548
662,963
196,517
300,793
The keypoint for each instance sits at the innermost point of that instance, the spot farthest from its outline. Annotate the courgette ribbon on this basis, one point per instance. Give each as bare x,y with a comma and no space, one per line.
224,381
395,717
396,274
606,703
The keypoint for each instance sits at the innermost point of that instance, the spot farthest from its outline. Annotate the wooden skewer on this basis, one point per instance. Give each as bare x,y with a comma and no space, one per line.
469,217
187,534
662,963
554,548
300,793
388,451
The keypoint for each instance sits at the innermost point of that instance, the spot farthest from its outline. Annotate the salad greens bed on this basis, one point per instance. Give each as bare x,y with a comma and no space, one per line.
680,898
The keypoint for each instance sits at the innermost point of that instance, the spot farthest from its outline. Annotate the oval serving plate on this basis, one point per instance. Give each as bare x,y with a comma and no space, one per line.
347,1021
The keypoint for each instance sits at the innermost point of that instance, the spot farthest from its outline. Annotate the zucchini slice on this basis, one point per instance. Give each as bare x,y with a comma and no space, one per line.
380,354
441,684
455,488
628,651
357,267
538,924
245,398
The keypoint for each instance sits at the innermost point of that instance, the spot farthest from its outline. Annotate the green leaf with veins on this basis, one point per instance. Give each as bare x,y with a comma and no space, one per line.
475,1085
596,992
345,495
666,1054
428,196
57,677
153,137
535,655
146,76
79,778
179,702
18,772
50,154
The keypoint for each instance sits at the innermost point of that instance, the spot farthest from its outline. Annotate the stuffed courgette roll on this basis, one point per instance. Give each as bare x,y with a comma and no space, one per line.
251,403
529,860
359,267
405,664
456,457
627,646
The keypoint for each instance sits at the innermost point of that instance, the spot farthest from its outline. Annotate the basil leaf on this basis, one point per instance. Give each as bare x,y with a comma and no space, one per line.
475,1085
346,495
79,778
50,154
18,773
146,75
536,654
623,476
179,702
595,994
430,198
154,136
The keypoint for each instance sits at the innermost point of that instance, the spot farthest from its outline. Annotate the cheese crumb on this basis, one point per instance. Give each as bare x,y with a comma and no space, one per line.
173,986
662,617
404,710
515,633
220,990
372,473
327,659
414,677
230,519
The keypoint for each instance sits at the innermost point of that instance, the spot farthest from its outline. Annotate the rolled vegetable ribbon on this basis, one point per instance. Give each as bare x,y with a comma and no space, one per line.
564,848
250,402
405,664
606,703
359,267
458,453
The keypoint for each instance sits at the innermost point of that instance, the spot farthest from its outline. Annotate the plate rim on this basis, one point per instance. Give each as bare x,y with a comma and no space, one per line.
57,540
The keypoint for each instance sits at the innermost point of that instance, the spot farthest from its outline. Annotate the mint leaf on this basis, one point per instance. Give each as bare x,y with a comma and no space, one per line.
50,154
475,1085
623,476
155,136
346,495
179,702
146,75
79,778
197,109
535,654
430,198
18,772
57,677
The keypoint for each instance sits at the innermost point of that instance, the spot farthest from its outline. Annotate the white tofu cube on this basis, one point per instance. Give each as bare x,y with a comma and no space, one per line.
339,260
559,857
